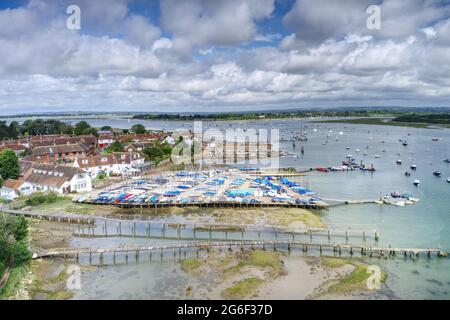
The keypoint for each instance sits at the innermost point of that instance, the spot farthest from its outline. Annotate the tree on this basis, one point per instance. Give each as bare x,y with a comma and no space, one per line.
155,153
138,129
116,146
20,253
106,128
90,131
19,228
9,164
80,127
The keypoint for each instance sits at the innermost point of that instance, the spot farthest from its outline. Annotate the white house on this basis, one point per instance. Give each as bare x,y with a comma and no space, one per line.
116,163
170,140
105,138
11,189
47,177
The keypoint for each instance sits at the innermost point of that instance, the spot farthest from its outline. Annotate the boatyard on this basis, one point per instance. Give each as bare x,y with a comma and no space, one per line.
218,187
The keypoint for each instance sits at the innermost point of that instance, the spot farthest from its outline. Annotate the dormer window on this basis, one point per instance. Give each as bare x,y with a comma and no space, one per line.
84,161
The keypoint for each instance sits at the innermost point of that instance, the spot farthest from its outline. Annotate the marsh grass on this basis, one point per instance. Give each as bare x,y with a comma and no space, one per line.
242,289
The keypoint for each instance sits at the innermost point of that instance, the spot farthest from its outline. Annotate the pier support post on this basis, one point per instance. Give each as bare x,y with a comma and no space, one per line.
376,236
329,237
364,236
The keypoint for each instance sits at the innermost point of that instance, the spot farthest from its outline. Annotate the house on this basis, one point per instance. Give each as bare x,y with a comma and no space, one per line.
12,189
51,140
57,178
145,137
64,152
136,146
116,163
105,138
16,146
45,178
170,140
97,164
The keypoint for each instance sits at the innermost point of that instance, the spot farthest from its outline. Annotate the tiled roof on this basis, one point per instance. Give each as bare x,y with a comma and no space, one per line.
63,148
12,184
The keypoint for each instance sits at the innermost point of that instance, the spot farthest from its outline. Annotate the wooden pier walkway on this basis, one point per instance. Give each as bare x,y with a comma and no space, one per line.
57,217
337,248
163,225
215,204
152,228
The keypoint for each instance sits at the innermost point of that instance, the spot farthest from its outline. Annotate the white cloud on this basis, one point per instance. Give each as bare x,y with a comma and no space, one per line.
197,58
197,23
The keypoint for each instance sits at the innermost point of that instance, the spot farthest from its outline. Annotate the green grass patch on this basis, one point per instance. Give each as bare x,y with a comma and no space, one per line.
242,289
16,275
311,219
258,258
191,265
330,262
50,288
357,279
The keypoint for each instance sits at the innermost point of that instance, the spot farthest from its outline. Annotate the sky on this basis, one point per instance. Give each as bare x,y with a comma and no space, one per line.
222,55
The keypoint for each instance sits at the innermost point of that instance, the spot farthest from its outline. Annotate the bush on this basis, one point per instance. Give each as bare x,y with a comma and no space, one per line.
102,176
19,228
20,252
41,198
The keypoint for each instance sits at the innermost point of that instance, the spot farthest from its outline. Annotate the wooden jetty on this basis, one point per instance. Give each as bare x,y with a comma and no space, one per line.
215,204
337,248
56,217
163,225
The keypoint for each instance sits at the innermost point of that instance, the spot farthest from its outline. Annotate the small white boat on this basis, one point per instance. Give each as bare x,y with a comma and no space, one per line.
416,182
448,180
399,162
376,156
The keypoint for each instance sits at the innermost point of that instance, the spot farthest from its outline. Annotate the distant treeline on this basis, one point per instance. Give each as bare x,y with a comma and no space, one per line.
41,126
436,118
268,115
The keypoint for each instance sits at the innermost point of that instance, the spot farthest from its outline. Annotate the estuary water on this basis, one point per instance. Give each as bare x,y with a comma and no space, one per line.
424,224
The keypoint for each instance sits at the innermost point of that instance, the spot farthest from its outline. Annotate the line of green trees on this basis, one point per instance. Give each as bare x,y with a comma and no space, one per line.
35,127
436,118
268,114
